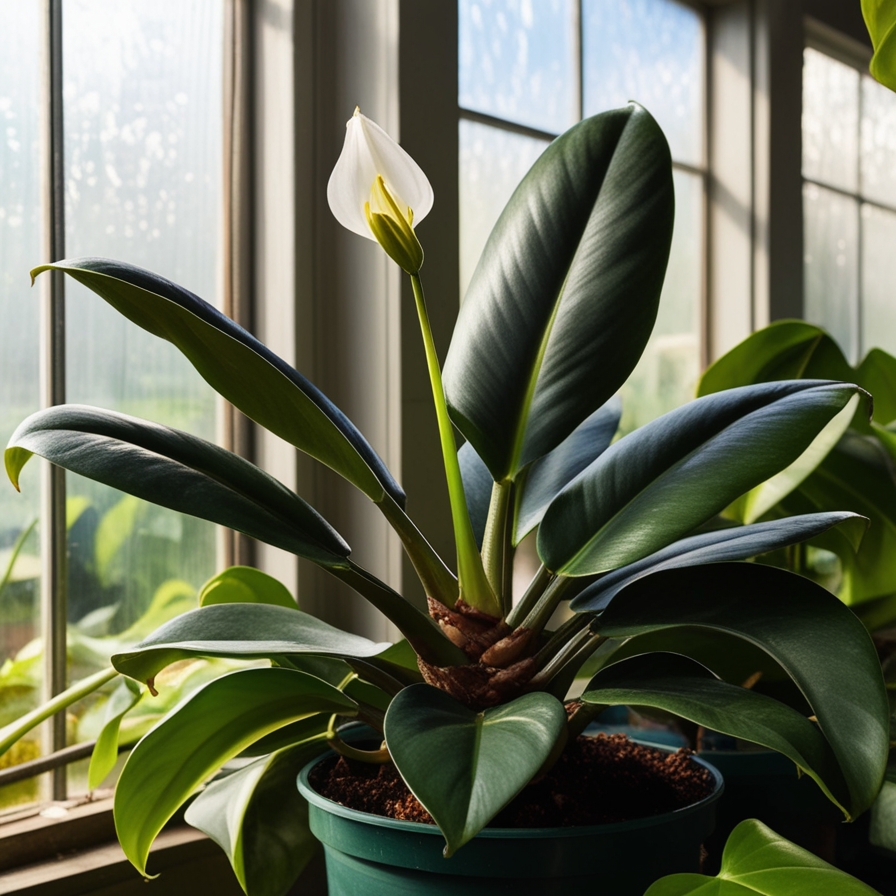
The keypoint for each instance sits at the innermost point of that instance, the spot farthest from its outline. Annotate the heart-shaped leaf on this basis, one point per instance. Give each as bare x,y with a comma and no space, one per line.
257,816
197,738
465,766
880,20
239,367
679,685
734,543
565,295
246,585
759,862
240,631
178,471
817,640
660,482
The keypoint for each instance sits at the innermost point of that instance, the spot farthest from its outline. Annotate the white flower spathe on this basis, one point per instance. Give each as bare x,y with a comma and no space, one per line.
369,152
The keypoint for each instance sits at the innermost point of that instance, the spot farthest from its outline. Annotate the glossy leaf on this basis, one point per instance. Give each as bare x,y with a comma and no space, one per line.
239,631
565,295
758,862
551,473
258,818
734,543
815,638
657,484
244,584
105,754
880,20
465,766
239,367
478,484
176,470
679,685
200,735
877,375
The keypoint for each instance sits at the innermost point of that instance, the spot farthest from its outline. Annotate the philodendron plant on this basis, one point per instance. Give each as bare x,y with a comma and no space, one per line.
474,701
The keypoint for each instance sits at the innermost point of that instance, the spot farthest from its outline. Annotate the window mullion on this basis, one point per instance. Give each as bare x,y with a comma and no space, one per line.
52,371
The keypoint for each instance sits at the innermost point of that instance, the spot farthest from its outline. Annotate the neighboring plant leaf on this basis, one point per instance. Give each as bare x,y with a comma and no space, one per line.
551,473
880,20
792,619
682,686
857,474
877,375
758,862
239,367
247,585
115,528
105,754
200,735
659,483
257,816
735,543
465,766
565,295
239,631
176,470
478,484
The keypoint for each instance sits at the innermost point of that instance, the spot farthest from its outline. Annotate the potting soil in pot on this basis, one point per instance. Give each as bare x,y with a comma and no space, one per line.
597,780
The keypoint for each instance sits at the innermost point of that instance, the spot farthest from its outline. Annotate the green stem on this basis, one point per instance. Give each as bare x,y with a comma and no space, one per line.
438,581
422,633
557,641
14,730
536,588
16,550
573,654
495,541
546,604
474,586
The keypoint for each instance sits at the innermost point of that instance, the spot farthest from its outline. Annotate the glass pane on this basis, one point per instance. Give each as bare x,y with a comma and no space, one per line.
143,160
492,163
517,61
878,307
878,142
831,226
830,120
667,373
651,51
20,241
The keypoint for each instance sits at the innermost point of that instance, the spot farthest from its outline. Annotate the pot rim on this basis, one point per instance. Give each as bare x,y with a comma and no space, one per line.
419,827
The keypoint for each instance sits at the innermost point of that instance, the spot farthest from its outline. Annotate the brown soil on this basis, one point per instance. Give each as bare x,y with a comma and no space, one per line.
597,780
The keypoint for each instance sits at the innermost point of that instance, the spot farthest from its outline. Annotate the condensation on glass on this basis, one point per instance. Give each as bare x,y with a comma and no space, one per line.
651,51
849,203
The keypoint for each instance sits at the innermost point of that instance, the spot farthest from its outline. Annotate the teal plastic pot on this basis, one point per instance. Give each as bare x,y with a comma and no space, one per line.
376,856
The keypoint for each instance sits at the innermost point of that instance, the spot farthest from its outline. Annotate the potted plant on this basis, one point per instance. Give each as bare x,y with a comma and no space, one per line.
473,702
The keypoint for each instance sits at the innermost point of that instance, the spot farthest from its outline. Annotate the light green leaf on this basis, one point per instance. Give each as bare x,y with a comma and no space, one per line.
679,685
211,727
880,20
236,365
247,585
565,295
105,754
258,818
465,766
759,862
817,640
659,483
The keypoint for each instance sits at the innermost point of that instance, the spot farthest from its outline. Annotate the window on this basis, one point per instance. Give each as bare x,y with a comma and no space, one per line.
135,122
527,71
849,200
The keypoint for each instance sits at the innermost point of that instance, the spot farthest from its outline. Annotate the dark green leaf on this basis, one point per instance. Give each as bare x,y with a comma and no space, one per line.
565,295
258,818
679,685
236,365
735,543
815,638
551,473
759,862
660,482
198,737
244,584
478,484
877,375
240,631
465,766
176,470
